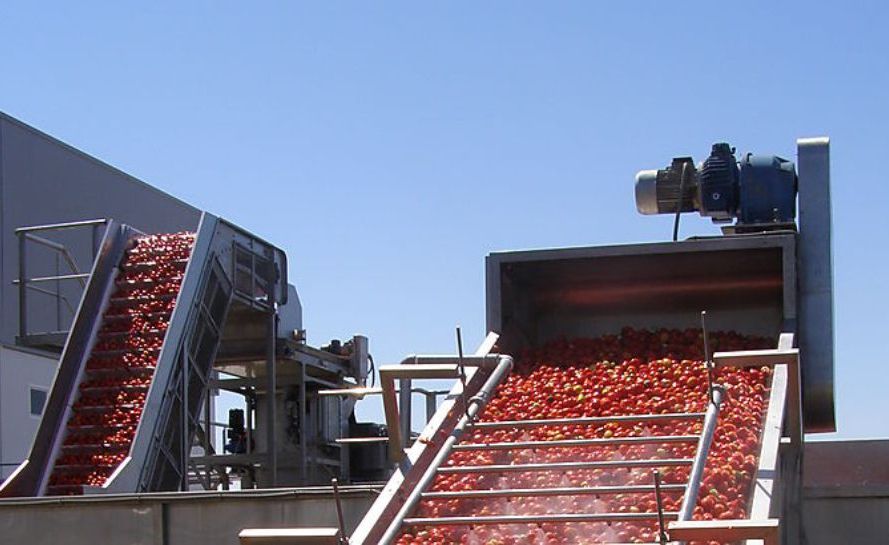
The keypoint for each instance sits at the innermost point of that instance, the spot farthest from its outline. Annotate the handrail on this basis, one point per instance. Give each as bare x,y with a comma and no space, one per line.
63,225
700,460
475,405
62,250
25,283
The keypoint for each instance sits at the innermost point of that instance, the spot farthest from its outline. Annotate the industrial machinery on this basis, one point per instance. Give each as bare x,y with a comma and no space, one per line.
768,277
759,191
165,321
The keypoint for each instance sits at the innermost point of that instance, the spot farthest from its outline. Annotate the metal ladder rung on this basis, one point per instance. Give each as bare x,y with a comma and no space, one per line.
358,391
646,440
538,492
95,446
565,466
587,420
361,440
110,353
535,519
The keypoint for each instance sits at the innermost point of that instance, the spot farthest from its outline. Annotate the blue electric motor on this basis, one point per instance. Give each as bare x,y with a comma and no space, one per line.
759,191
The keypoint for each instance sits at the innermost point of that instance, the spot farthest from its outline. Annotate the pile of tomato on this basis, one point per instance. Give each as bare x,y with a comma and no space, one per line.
121,365
637,372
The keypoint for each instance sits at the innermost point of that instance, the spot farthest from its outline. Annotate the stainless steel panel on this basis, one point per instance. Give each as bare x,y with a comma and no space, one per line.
816,284
188,518
746,283
846,492
31,479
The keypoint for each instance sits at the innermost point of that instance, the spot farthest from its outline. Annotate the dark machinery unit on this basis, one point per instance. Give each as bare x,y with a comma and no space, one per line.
759,191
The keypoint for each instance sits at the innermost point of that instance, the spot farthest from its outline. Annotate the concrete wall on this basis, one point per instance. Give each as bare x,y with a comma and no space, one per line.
846,492
204,518
846,501
42,181
19,370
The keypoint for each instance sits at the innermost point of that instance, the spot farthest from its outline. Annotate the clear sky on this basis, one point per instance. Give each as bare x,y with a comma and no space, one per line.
388,147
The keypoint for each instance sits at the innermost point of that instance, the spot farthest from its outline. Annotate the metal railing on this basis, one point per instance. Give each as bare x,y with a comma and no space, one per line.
62,254
430,396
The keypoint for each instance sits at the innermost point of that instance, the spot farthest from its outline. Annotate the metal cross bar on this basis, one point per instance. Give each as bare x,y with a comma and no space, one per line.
707,364
646,440
727,531
662,529
565,466
339,512
534,519
54,278
361,391
388,375
476,404
290,536
543,492
587,420
462,368
700,459
785,355
57,226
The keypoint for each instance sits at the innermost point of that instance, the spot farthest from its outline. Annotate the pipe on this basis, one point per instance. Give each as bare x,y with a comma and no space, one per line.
587,420
646,440
566,466
56,226
534,519
700,460
476,404
543,492
444,359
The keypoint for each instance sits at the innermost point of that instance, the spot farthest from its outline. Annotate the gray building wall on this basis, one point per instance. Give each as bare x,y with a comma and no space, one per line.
44,181
20,370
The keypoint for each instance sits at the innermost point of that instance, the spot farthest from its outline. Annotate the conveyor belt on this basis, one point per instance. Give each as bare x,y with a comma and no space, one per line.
549,460
124,405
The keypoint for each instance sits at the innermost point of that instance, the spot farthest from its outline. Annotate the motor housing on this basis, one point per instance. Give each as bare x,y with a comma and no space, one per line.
759,191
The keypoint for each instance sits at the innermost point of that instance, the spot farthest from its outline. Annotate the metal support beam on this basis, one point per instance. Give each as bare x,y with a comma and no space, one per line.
535,519
726,531
785,355
185,450
586,420
388,375
546,492
303,425
565,466
405,410
23,288
475,406
290,536
566,443
700,460
816,337
271,399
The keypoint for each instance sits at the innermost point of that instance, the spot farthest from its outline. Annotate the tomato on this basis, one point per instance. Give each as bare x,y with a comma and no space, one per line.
120,369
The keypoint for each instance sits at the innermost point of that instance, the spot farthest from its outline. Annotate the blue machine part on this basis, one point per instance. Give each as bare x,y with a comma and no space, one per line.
759,191
767,190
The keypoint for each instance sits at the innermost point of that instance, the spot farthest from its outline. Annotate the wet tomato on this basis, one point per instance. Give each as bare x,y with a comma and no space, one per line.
636,372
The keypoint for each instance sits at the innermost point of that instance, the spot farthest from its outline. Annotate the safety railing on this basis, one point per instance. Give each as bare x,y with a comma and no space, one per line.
73,272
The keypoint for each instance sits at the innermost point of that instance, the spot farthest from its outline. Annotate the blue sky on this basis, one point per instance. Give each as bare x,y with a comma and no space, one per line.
388,147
